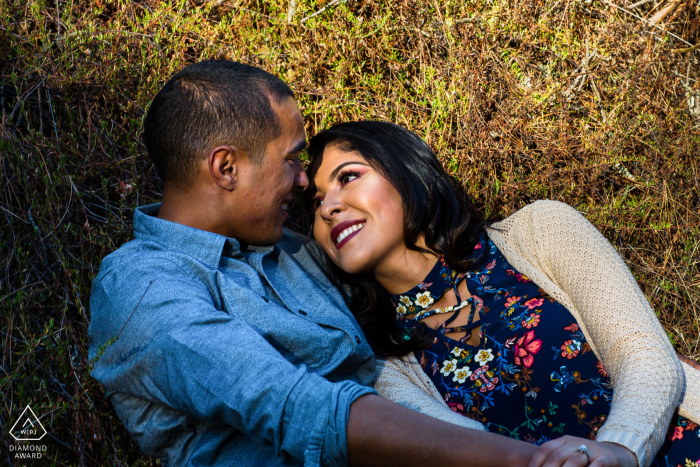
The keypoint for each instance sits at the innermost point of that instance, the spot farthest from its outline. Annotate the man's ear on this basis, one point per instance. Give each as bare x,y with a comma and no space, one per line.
224,162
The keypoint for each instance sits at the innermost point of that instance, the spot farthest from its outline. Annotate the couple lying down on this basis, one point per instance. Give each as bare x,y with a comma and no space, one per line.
524,341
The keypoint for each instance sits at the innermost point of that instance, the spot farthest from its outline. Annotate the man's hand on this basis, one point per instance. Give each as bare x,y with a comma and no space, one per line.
689,361
563,452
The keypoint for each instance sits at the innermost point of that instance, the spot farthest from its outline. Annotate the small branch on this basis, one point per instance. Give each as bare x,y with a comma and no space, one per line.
291,11
638,4
467,20
580,79
687,49
331,4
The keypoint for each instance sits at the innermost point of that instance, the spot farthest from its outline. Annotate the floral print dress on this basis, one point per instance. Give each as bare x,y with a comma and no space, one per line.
533,376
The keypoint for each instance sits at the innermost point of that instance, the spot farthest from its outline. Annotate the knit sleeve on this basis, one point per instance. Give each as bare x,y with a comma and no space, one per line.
690,402
618,322
402,380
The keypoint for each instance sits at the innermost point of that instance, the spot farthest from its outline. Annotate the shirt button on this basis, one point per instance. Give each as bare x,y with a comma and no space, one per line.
302,312
357,339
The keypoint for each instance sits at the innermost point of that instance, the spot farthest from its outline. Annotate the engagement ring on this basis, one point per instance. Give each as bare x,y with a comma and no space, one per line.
583,449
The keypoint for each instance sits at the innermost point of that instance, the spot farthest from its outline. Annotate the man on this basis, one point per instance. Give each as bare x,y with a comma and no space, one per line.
217,338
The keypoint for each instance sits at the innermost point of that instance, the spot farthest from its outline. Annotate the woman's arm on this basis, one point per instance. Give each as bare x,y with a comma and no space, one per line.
402,380
565,254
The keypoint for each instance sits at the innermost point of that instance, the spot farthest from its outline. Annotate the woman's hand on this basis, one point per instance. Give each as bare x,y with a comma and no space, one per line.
563,452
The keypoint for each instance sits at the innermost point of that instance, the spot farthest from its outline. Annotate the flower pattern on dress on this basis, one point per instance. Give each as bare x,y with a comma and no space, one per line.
462,374
448,367
510,387
526,349
484,356
424,299
531,321
533,303
570,349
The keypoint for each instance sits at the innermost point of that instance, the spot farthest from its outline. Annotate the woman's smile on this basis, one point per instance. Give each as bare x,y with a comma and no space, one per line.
343,232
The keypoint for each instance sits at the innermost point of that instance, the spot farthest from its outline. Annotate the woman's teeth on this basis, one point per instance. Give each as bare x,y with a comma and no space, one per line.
285,206
348,231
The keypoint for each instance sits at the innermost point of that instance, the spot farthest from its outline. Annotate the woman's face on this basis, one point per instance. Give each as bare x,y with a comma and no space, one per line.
358,218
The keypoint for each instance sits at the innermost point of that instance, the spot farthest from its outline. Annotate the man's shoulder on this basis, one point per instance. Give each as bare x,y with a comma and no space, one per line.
139,256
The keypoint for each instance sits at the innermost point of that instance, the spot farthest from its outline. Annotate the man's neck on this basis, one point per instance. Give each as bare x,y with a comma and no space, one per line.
193,209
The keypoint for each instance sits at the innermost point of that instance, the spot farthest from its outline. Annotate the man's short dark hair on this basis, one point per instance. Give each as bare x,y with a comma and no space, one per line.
211,103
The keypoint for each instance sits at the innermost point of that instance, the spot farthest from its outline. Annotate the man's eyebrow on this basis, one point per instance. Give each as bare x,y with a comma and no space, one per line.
337,169
300,146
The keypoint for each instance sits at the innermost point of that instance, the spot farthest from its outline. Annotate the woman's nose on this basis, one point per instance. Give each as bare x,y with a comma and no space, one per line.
331,207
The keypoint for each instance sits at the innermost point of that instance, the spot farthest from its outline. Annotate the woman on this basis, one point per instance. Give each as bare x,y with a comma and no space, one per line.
525,325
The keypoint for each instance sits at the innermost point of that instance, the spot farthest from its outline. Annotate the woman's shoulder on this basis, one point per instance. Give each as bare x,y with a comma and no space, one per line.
540,212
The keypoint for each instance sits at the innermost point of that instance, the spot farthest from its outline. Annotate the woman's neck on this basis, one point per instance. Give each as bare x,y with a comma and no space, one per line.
404,270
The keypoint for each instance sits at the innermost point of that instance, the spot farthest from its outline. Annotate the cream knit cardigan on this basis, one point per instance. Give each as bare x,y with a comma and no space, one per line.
566,256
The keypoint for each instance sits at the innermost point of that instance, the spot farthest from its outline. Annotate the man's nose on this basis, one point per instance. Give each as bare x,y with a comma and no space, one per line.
301,180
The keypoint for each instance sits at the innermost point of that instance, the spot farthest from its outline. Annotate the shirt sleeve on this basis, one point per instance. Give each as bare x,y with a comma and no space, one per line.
618,322
163,340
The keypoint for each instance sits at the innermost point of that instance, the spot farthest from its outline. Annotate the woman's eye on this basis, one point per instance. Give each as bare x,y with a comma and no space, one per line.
348,177
318,202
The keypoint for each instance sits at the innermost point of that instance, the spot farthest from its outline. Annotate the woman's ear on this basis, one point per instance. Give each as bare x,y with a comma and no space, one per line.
223,166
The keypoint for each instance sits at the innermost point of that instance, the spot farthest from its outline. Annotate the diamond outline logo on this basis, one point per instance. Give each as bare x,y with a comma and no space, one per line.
32,420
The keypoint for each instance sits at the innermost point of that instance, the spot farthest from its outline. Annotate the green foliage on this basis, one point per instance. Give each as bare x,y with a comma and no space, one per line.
497,88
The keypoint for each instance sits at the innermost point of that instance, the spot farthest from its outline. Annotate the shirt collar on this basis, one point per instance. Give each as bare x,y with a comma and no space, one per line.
205,246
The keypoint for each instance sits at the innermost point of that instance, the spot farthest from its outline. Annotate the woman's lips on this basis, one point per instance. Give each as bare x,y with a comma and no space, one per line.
343,232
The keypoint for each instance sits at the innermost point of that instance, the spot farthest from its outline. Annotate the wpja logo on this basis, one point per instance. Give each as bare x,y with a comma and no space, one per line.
28,428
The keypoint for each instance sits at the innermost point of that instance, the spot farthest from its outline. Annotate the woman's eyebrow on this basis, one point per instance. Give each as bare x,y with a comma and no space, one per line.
337,169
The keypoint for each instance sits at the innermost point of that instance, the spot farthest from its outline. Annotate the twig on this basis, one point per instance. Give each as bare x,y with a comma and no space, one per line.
22,288
580,79
687,49
600,101
638,4
468,20
55,129
331,4
647,21
12,213
292,9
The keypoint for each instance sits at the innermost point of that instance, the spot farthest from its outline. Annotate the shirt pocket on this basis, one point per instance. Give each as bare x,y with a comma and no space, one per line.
293,334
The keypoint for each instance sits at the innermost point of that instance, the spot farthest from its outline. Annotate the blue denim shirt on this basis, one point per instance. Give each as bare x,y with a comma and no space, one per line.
214,354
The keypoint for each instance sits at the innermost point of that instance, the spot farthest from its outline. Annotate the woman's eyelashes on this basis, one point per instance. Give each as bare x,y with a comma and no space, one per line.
347,176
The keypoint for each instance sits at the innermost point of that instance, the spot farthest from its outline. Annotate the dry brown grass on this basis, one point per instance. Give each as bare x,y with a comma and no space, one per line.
503,91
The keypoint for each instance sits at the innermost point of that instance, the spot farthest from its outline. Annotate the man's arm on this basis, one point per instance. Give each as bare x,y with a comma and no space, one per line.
382,433
175,348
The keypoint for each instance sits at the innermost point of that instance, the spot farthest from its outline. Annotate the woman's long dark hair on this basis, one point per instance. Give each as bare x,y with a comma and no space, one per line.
434,205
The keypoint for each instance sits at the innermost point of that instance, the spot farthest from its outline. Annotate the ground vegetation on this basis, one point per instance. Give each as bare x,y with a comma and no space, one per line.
592,102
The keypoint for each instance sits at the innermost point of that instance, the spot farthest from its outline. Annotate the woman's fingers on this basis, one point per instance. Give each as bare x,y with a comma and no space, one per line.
576,459
561,452
543,452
